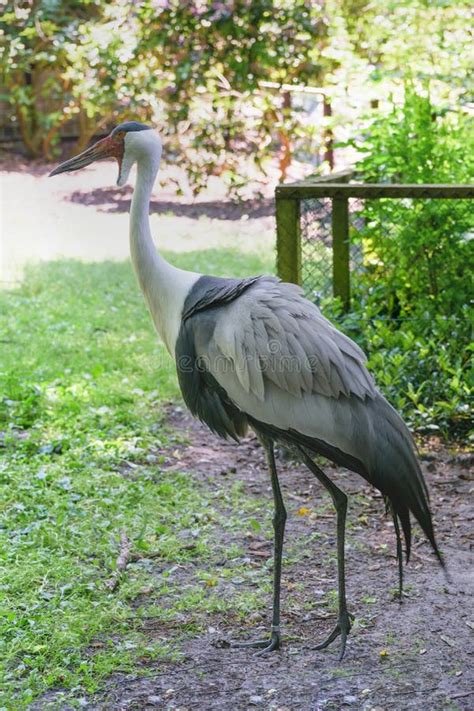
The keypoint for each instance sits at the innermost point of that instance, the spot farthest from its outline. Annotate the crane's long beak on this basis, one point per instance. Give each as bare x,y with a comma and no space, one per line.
105,148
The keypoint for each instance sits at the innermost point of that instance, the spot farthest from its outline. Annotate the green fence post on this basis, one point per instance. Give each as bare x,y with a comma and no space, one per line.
288,239
340,251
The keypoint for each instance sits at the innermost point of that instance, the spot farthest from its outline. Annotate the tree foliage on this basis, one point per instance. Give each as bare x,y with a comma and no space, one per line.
419,249
202,69
66,60
196,66
211,59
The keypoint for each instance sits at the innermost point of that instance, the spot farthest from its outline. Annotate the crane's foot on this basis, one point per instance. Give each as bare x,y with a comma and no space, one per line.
342,628
264,645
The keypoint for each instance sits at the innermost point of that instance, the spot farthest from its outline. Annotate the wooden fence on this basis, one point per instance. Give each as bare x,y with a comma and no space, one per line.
333,194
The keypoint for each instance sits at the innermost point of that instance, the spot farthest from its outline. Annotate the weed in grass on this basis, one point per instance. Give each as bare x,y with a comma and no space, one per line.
369,599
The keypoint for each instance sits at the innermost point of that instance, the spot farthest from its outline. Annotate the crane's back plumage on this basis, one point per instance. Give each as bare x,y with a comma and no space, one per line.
256,352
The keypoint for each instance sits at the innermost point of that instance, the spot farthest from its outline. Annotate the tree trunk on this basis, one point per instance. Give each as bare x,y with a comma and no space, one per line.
328,134
87,129
285,155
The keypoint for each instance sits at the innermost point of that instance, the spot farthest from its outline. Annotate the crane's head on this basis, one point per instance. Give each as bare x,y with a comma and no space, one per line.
128,143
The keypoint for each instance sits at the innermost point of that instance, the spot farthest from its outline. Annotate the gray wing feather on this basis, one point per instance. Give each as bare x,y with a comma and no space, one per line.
271,334
283,363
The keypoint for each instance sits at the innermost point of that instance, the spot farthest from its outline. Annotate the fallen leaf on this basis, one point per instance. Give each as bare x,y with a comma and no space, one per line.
303,511
447,640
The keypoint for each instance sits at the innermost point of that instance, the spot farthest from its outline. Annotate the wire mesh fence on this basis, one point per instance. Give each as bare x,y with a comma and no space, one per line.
378,231
336,238
316,247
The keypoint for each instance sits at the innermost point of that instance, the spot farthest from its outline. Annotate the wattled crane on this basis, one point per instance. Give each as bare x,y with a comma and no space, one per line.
255,353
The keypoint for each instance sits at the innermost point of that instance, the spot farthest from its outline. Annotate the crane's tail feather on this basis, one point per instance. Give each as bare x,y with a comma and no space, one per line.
396,472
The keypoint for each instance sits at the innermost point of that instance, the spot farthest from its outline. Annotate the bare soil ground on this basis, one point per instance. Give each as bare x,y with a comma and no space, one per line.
414,655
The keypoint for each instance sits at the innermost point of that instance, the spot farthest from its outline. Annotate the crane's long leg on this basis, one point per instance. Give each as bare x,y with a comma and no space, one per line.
390,508
399,555
279,521
339,499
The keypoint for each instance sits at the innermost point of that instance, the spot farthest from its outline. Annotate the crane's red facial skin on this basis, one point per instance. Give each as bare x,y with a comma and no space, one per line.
109,147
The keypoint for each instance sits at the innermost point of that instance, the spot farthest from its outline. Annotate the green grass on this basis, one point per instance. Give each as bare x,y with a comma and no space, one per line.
83,380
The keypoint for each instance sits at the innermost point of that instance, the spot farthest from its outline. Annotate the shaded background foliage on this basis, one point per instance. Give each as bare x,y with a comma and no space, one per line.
202,70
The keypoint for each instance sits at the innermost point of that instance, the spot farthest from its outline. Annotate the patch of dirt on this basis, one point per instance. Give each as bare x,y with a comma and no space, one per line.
118,200
414,655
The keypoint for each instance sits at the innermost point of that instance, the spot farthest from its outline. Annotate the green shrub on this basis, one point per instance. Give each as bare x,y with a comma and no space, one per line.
422,366
411,293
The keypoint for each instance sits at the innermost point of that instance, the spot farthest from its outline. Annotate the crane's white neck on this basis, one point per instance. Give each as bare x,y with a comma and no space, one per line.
165,287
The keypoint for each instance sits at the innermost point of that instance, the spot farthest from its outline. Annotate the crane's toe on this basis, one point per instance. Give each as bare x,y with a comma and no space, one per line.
342,628
263,645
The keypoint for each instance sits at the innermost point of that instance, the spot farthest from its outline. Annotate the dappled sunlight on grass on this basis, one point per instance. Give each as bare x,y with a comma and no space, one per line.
83,381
